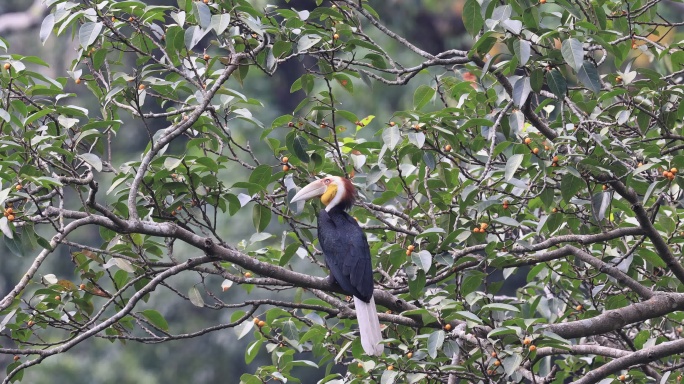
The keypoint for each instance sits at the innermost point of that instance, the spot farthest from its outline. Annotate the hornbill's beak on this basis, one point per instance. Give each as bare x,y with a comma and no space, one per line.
316,188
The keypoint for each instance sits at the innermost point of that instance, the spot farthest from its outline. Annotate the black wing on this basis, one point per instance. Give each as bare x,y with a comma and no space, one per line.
346,252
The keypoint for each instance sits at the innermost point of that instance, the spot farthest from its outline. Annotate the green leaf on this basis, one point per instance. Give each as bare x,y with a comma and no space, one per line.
416,138
388,377
219,23
422,96
472,17
417,285
434,344
46,27
261,216
195,297
502,331
5,227
192,36
537,79
261,175
521,90
429,159
557,83
505,220
477,121
422,259
600,15
88,33
432,230
485,43
512,165
202,13
499,307
171,163
573,53
281,48
253,350
570,185
523,49
588,75
471,281
250,379
208,162
511,363
4,194
677,60
156,319
243,329
307,41
391,136
300,145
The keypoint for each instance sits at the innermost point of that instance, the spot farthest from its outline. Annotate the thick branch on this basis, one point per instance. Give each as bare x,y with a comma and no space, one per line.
232,255
658,305
643,356
581,239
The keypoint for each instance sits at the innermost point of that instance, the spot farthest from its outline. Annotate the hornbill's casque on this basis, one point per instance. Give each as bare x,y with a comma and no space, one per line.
346,253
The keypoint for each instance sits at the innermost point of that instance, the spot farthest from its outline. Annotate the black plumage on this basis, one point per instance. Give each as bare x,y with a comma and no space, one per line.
346,251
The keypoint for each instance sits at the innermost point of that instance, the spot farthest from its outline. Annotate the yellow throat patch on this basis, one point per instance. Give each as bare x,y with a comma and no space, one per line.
329,194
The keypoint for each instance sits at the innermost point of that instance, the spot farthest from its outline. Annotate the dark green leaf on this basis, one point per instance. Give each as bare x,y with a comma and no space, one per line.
570,185
472,17
588,75
261,175
435,341
261,216
156,319
422,96
300,145
573,53
557,83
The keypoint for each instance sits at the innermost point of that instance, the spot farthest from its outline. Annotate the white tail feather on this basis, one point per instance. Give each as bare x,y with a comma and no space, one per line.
369,326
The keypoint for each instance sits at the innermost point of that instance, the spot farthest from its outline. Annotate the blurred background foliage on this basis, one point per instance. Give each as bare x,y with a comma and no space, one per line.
433,25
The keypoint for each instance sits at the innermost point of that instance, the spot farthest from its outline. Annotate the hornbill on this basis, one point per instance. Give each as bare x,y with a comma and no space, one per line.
347,254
